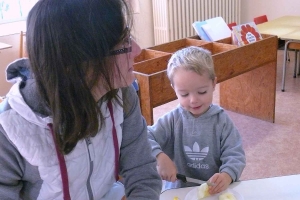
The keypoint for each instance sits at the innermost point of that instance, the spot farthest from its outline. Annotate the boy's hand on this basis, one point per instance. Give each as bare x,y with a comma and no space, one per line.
166,168
221,181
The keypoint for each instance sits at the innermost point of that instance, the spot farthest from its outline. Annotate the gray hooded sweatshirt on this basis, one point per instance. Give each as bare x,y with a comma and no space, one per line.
23,178
199,147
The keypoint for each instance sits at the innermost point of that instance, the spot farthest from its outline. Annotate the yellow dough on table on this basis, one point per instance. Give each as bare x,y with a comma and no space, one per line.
227,196
203,191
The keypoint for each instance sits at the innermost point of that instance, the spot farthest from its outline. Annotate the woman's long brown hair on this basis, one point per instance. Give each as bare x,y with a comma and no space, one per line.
66,40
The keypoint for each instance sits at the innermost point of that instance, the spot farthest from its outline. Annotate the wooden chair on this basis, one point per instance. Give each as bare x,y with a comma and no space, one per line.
230,25
22,52
260,19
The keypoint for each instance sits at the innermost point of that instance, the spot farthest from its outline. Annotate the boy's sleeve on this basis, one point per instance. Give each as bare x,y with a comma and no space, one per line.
137,165
232,153
161,135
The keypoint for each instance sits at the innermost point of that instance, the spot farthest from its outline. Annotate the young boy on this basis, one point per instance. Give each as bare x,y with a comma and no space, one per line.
197,138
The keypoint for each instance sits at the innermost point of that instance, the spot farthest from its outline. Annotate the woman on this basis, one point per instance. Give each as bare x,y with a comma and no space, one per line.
72,125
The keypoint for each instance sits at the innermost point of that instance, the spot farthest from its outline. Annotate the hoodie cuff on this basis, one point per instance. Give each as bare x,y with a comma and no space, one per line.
156,152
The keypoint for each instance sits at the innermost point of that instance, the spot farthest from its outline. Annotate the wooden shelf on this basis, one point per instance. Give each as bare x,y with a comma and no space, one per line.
171,47
247,75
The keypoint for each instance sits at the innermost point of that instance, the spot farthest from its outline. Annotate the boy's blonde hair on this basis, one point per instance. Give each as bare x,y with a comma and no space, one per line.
196,59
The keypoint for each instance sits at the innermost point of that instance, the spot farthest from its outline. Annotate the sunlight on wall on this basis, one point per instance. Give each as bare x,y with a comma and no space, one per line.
15,10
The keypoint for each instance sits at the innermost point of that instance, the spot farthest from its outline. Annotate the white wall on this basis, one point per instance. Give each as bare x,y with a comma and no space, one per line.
7,56
272,8
143,25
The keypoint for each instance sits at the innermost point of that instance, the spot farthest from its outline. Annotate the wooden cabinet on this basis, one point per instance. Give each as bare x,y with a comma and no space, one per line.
247,75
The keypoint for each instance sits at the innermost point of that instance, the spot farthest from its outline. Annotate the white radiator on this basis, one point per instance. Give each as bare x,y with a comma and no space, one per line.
173,18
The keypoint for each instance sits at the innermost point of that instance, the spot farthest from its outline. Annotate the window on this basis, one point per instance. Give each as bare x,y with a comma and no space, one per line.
15,10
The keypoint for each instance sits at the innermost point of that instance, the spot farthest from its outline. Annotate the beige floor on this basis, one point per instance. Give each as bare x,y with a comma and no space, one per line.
272,149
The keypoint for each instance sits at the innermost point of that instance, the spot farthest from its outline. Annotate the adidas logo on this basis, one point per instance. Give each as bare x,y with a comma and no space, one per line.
195,153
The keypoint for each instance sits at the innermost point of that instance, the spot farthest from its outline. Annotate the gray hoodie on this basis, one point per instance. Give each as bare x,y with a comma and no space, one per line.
200,147
21,180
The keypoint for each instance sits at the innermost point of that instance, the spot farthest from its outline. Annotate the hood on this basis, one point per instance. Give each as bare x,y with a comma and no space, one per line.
19,72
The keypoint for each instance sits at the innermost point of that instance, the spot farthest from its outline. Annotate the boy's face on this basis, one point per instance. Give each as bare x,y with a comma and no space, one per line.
194,92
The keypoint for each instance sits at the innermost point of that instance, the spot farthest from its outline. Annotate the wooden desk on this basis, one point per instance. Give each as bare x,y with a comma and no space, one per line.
4,46
276,188
286,28
247,75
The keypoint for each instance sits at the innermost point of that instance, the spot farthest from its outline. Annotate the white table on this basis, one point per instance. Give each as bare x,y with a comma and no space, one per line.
4,46
275,188
286,28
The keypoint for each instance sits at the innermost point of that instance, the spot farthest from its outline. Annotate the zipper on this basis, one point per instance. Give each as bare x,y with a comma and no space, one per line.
91,154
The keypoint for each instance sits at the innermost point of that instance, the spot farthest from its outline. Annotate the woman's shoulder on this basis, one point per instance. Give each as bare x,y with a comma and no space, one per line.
130,99
129,92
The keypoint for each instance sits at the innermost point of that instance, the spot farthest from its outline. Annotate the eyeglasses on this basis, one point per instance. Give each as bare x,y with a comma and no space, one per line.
126,48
